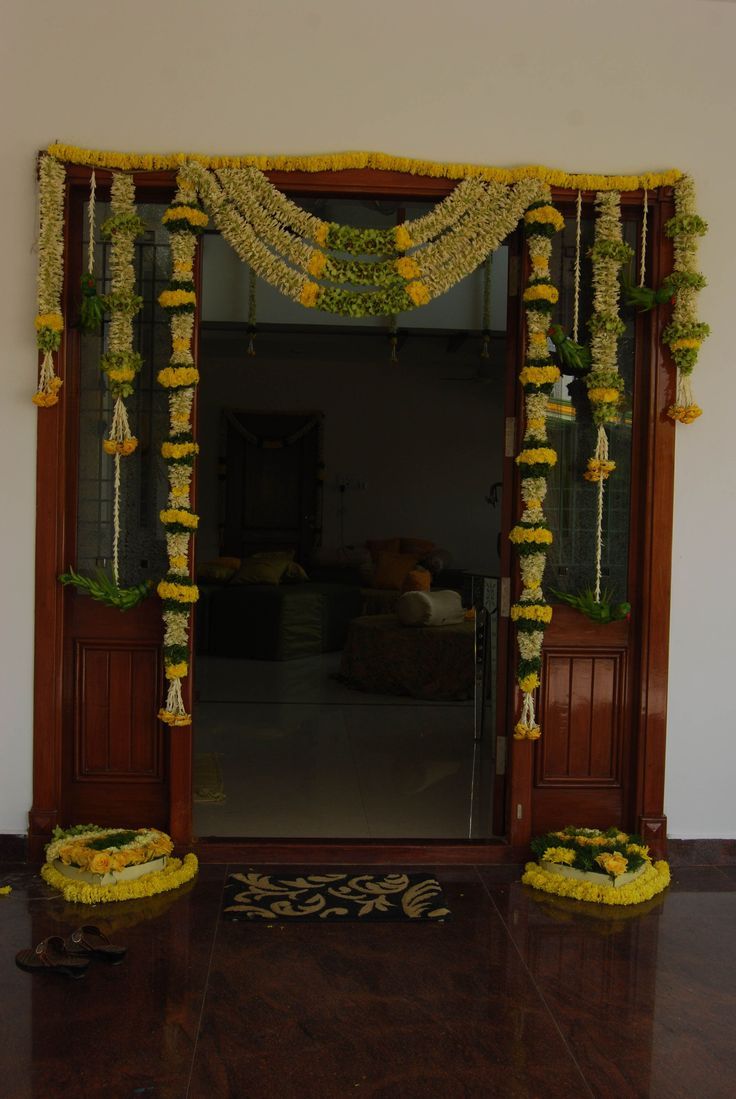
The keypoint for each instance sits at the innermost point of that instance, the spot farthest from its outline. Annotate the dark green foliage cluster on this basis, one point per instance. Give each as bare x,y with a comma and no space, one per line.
381,303
585,853
361,242
116,840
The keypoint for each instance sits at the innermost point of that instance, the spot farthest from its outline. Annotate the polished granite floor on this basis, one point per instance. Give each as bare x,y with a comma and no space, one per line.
517,995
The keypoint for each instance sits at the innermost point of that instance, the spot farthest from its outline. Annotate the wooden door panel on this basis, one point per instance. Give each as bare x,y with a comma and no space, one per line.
115,748
581,760
116,731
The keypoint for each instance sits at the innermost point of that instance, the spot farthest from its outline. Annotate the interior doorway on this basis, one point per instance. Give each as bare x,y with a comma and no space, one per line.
342,467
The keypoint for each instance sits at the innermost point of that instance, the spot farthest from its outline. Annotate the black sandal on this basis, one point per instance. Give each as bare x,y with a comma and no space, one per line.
51,954
89,941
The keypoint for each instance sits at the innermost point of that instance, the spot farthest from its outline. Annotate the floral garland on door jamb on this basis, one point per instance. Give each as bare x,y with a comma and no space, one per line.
184,220
531,536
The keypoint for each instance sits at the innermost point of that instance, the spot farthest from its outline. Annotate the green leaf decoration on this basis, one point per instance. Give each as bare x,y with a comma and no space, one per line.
644,298
575,358
92,306
103,588
604,612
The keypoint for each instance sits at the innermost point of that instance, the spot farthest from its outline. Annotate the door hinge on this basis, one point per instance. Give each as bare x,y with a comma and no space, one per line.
501,755
504,603
510,437
519,811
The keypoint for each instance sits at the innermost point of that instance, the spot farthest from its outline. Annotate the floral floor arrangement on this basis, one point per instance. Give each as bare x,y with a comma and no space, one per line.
610,867
94,865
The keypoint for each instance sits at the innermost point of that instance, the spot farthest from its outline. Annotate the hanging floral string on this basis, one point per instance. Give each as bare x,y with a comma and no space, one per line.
251,312
605,384
485,352
576,301
49,319
643,242
184,220
92,307
685,333
120,362
531,536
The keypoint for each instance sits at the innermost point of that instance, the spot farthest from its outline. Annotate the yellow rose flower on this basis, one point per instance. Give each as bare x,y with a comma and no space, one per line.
613,864
99,863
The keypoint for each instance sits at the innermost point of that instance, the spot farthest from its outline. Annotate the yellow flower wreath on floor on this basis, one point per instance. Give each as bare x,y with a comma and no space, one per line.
174,874
653,880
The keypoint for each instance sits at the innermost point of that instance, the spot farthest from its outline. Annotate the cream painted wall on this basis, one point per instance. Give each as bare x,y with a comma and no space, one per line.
581,84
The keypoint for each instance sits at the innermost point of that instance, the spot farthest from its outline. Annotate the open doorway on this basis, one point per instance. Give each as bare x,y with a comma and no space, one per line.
342,467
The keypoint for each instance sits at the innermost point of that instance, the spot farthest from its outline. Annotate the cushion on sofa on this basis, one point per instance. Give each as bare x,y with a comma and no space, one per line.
431,608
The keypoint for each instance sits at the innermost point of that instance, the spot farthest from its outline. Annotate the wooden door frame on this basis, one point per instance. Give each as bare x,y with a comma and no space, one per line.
54,533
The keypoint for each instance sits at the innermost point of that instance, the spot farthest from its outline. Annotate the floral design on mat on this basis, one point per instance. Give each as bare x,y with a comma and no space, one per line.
255,896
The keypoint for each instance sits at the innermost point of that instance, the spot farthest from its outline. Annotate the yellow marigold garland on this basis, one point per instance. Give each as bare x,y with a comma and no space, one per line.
531,536
335,162
653,880
175,873
184,220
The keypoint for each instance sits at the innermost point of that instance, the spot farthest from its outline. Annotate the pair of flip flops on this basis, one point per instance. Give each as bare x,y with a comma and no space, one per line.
71,956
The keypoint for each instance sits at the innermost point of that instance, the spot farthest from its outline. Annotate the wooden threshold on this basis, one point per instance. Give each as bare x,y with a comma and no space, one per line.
355,852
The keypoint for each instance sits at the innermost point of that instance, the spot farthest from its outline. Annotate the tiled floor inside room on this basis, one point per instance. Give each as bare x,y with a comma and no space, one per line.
301,754
517,994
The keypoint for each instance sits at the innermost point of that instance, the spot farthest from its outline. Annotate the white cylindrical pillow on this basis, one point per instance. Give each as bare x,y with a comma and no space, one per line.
430,608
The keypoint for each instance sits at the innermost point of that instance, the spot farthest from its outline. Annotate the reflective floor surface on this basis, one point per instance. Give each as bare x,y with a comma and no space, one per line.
518,994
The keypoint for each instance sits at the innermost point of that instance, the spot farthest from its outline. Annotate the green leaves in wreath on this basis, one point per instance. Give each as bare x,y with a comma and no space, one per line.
103,588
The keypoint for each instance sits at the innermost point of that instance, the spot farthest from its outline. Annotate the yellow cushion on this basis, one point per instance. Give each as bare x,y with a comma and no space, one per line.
392,570
260,570
221,569
294,574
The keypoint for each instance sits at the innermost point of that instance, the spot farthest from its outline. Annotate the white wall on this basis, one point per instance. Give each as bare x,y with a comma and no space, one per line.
581,84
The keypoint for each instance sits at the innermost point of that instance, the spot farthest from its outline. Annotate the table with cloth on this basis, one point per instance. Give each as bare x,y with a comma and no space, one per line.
435,663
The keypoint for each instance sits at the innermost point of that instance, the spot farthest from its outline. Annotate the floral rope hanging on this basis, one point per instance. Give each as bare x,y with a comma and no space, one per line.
184,220
49,319
120,362
605,384
685,333
531,535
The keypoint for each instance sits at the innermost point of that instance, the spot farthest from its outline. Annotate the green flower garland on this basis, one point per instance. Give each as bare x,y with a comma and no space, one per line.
185,219
251,215
49,319
531,536
605,385
685,333
120,363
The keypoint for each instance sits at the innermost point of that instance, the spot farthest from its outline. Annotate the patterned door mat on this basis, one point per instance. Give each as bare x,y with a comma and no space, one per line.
348,895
